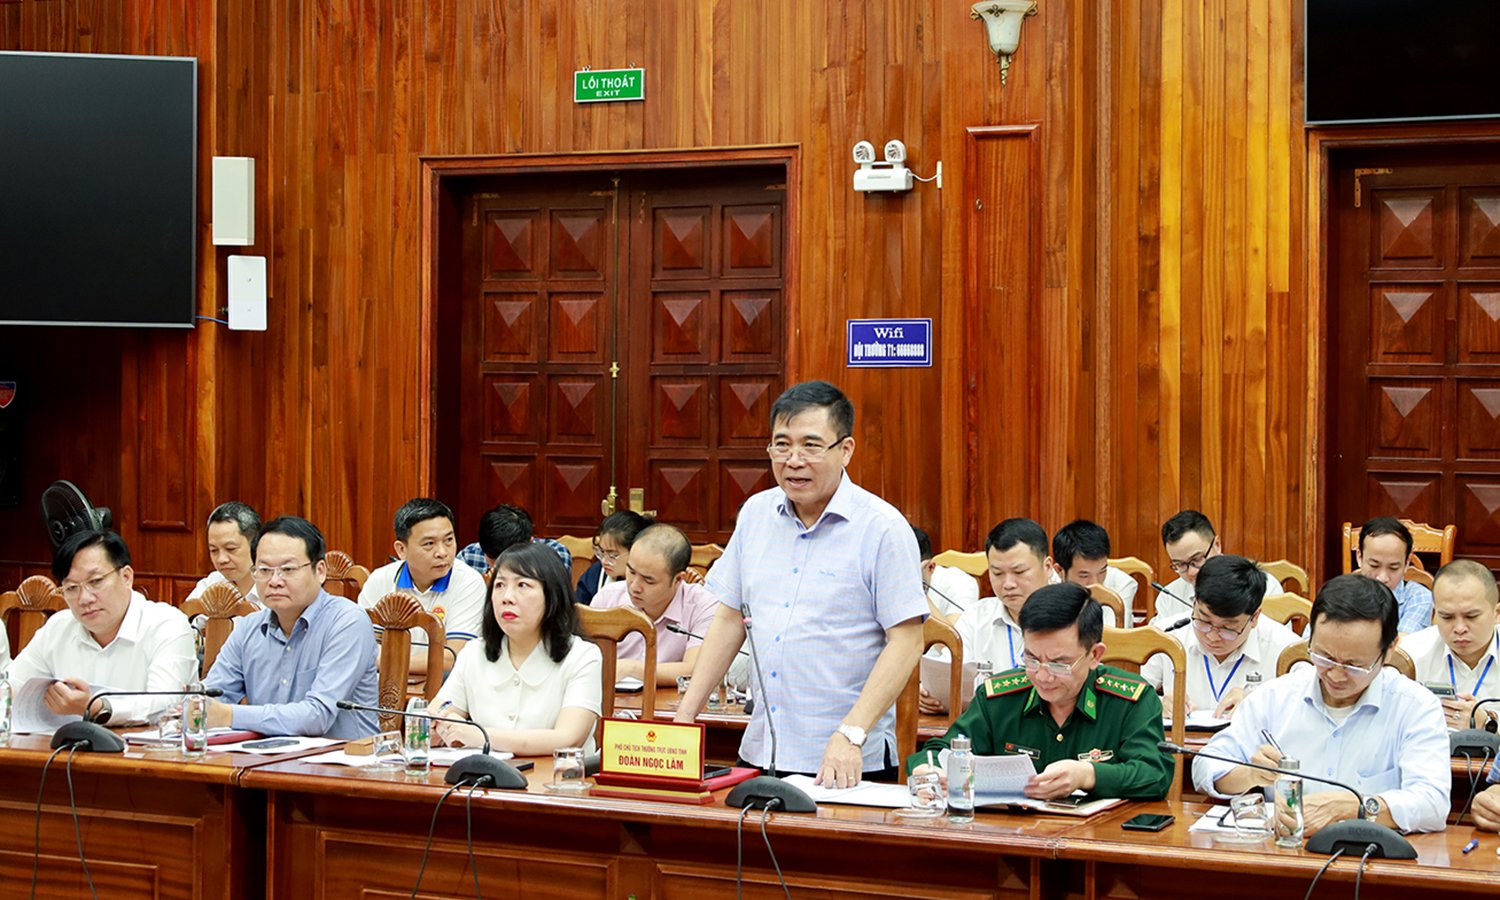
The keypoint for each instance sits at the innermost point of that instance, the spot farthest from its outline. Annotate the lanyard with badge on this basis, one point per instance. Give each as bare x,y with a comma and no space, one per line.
1010,635
1219,692
1453,678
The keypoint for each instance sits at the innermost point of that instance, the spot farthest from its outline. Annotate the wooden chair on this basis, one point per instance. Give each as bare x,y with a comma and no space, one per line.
1129,648
692,575
908,714
345,579
1288,609
1298,653
582,549
1145,607
607,627
976,564
222,603
397,614
1108,598
1283,571
1424,539
1420,576
704,556
33,600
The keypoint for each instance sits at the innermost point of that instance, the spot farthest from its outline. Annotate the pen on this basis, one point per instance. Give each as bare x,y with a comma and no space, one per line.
1471,845
929,759
1271,739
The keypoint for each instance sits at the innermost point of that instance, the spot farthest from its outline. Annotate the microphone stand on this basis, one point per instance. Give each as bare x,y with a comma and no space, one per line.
1350,835
678,629
1474,741
762,791
91,736
474,768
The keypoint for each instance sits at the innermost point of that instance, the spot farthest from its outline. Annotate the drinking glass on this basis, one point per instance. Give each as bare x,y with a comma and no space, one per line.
927,801
1252,817
567,770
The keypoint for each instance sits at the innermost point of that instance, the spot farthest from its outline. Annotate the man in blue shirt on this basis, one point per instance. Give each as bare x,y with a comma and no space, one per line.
1385,545
293,661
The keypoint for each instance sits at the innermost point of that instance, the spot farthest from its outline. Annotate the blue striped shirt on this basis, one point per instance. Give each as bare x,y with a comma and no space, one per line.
1415,603
821,600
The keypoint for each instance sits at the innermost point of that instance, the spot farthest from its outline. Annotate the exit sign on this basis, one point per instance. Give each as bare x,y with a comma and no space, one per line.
605,85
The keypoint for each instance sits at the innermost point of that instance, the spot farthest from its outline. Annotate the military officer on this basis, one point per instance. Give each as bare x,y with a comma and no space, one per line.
1085,726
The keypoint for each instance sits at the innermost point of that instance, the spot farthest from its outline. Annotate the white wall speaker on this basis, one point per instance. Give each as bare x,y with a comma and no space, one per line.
234,201
247,293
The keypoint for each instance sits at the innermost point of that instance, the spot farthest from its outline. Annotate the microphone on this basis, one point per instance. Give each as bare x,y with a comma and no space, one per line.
1178,624
90,735
1473,741
475,768
678,629
762,791
1350,835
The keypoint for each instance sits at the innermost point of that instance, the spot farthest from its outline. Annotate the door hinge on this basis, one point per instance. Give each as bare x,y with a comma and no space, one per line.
1358,188
614,369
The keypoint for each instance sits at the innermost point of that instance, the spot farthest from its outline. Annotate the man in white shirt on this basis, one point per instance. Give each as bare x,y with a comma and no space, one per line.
426,551
950,591
112,638
1190,541
990,628
1346,717
656,584
1230,639
1080,554
1460,647
232,528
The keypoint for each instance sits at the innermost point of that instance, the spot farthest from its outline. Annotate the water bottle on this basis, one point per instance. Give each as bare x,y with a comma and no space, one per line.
194,722
1288,805
417,748
1252,681
960,781
982,672
5,701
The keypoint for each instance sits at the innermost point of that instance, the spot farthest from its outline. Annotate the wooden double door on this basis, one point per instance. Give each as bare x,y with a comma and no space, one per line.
622,338
1414,342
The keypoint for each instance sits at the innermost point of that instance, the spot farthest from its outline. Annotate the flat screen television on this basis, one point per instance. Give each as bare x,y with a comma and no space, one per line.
98,189
1401,60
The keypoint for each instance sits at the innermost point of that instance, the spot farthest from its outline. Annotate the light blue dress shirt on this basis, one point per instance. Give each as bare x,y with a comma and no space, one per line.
1393,745
821,600
293,683
1415,604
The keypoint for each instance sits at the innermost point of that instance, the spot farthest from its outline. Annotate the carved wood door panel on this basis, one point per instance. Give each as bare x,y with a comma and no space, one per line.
1414,343
619,332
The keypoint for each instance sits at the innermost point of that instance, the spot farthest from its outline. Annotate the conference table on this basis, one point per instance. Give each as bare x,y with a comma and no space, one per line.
232,825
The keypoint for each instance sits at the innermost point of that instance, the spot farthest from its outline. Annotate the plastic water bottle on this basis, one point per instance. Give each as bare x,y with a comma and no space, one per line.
960,781
5,703
1252,681
1288,805
194,722
417,748
983,670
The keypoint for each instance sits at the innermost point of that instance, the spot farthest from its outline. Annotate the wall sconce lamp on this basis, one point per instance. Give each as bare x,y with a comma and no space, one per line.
1002,23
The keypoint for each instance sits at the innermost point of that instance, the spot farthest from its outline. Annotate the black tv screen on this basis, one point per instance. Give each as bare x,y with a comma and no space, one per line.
98,183
1402,60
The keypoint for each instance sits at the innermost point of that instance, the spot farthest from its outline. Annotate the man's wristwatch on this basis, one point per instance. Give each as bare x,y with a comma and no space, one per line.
853,734
104,713
1372,808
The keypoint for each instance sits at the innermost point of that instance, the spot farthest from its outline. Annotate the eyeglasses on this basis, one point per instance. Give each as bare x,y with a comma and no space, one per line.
608,556
781,451
1228,634
1325,664
264,573
1055,669
72,590
1193,564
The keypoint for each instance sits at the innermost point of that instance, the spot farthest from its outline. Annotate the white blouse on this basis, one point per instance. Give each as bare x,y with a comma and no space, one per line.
501,697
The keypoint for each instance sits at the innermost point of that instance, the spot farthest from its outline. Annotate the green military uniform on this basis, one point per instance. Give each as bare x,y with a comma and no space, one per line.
1116,726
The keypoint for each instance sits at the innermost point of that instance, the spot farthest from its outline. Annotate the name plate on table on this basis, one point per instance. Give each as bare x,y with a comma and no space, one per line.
663,751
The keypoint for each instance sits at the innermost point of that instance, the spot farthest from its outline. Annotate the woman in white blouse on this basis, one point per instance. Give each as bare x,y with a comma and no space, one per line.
533,679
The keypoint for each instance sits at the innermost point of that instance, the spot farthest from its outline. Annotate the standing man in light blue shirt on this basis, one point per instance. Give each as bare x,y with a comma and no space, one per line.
1347,718
830,575
1385,545
293,661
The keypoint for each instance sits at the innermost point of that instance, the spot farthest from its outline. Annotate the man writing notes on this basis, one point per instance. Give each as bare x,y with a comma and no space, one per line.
1345,717
424,568
294,660
656,584
1087,727
1190,541
829,573
1460,647
112,637
1228,639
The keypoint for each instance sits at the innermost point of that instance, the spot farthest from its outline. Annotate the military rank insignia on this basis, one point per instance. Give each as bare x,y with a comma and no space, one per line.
1129,688
1096,755
1006,683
